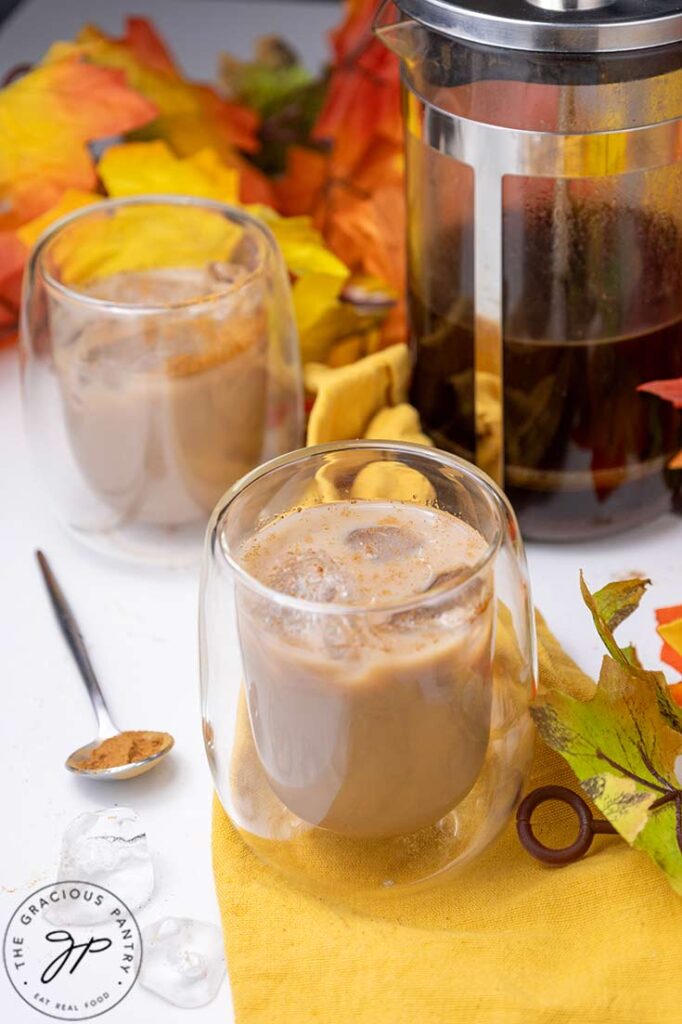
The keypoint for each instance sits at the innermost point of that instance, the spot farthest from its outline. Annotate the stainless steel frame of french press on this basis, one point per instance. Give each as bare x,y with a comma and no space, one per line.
493,153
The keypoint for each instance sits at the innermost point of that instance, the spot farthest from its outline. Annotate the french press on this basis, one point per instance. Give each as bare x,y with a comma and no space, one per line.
544,181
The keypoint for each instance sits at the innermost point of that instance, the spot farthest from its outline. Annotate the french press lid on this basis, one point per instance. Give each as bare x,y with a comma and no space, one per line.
555,26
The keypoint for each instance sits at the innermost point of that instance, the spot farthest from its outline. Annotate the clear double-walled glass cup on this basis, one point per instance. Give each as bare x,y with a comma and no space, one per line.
372,743
160,364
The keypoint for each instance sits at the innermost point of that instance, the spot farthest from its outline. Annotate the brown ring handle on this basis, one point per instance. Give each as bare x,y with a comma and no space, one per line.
588,826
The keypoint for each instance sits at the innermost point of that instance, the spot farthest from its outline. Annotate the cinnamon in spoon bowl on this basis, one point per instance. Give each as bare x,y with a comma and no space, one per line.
130,747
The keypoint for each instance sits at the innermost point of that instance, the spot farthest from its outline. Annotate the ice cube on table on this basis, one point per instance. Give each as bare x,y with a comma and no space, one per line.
183,960
383,543
310,576
108,848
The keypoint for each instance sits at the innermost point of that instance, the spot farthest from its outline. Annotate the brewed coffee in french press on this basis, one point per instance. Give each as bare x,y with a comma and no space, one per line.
544,178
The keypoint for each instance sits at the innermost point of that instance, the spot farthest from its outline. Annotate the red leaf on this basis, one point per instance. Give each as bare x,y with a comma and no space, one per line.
668,390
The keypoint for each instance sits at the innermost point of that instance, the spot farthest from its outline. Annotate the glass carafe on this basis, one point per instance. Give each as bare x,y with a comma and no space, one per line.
544,177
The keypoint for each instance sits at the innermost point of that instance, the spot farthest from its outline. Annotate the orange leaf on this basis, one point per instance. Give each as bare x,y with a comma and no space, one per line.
46,120
14,249
73,199
670,657
12,259
394,327
356,191
192,116
363,99
671,634
383,165
148,46
368,233
12,255
254,186
664,617
675,691
299,189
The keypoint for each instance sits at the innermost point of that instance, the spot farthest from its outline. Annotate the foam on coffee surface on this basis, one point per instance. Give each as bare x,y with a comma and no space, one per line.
372,720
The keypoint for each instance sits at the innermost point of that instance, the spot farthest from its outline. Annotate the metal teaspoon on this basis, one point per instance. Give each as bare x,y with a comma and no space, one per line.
106,727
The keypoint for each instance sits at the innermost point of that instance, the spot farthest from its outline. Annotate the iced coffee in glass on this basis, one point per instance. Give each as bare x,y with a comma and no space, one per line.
367,662
160,365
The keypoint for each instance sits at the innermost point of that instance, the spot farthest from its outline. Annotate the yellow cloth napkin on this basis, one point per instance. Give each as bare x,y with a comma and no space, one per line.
508,941
363,399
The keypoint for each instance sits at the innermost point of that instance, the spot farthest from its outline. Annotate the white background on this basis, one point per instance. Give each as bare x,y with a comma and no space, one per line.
141,625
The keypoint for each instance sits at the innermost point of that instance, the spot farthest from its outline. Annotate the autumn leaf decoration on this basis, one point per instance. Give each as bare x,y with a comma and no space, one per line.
668,391
318,158
47,120
625,743
670,631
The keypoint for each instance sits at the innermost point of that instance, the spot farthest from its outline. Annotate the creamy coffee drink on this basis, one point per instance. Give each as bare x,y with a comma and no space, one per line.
371,717
164,412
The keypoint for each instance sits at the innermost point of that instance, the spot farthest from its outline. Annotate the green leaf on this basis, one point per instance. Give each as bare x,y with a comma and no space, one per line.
610,606
285,94
288,120
620,800
616,601
626,749
632,656
264,82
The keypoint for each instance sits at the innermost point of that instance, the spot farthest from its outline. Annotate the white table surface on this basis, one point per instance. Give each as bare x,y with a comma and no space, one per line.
141,625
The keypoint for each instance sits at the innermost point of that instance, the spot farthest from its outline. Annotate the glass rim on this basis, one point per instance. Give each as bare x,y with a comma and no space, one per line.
499,504
109,204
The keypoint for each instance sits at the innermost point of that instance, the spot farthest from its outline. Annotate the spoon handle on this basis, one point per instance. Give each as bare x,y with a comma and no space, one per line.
72,635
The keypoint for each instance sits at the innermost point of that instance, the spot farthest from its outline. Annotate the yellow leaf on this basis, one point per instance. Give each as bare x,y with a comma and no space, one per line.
224,179
303,247
143,238
304,250
671,633
72,199
191,115
136,168
322,320
46,120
